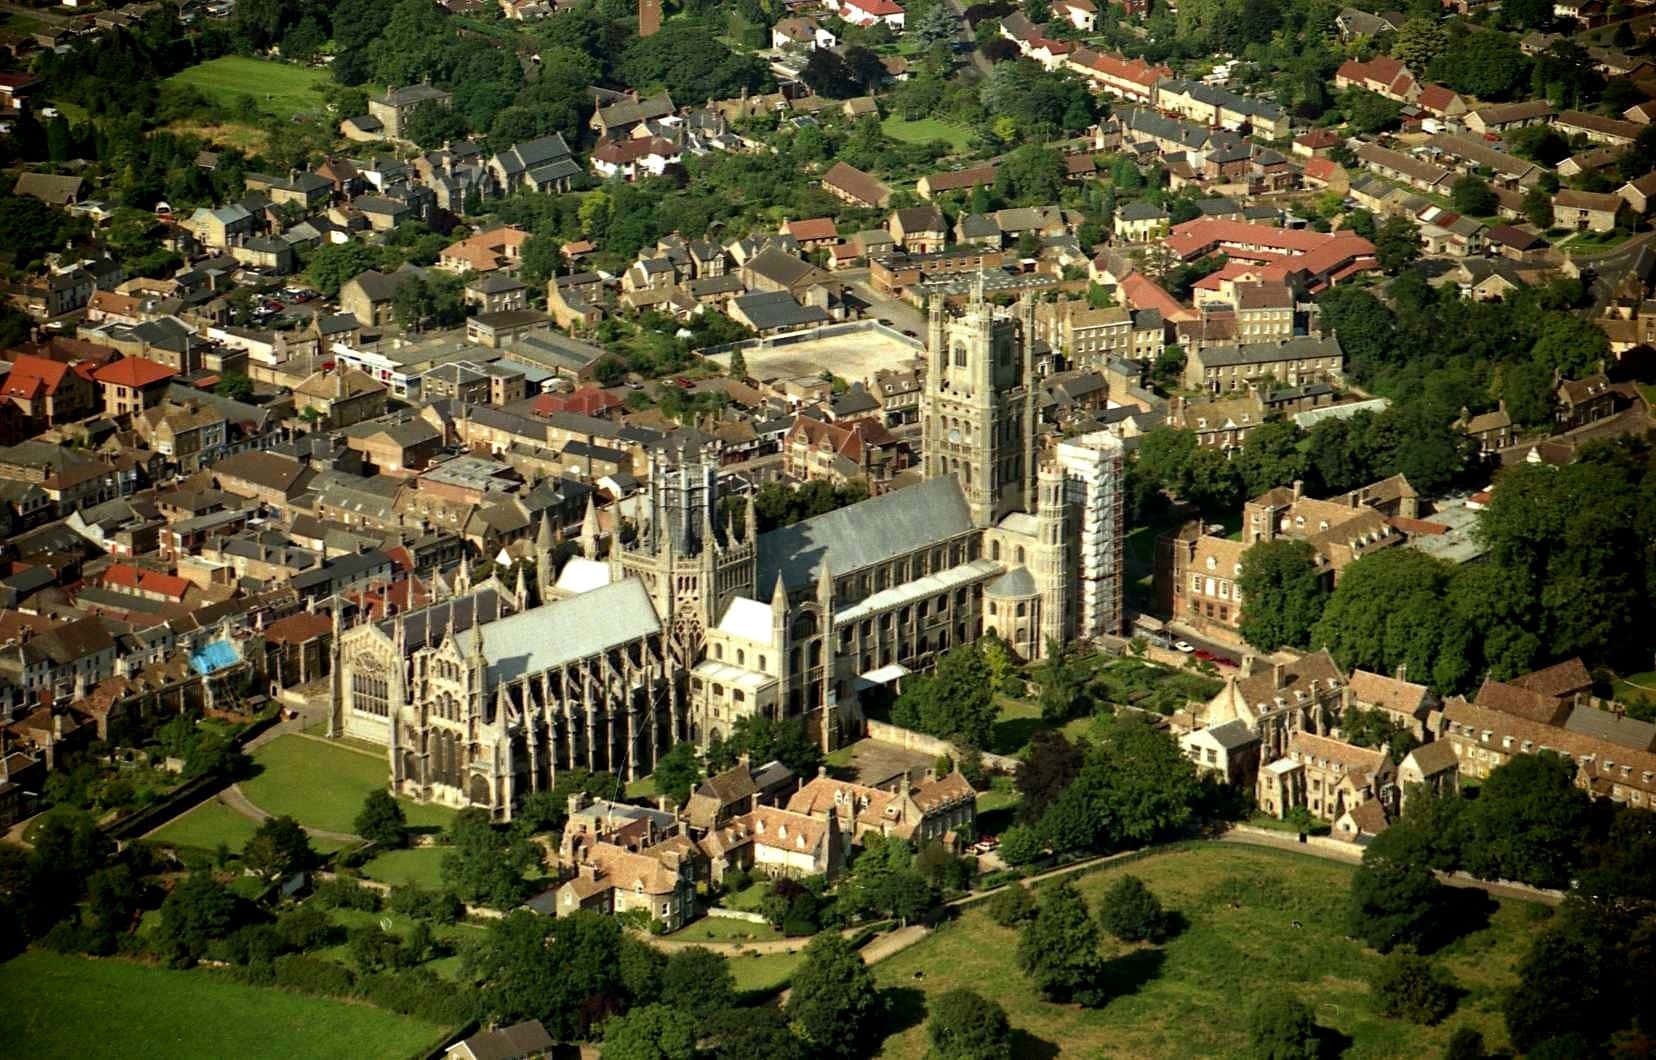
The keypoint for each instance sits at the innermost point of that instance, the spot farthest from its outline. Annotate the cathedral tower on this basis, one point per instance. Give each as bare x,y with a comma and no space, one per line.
978,420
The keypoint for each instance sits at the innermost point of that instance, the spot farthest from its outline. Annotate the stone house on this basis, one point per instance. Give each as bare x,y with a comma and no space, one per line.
934,810
1326,777
1229,751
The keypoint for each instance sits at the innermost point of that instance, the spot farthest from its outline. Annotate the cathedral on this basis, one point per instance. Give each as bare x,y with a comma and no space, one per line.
694,622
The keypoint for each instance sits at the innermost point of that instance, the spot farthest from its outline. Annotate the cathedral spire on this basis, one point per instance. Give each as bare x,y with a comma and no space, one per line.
462,580
751,530
545,541
521,595
825,586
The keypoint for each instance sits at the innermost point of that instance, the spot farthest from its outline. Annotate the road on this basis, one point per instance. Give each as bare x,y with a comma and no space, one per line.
1217,647
979,63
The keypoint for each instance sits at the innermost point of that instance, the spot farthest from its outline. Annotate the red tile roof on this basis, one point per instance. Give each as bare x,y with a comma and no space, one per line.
32,377
134,372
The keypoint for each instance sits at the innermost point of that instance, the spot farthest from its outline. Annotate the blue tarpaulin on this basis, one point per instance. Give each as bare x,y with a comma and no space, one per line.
213,657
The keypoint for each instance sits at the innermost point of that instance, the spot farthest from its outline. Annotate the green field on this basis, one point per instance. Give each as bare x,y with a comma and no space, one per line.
719,929
73,1006
322,785
421,865
765,971
453,937
212,823
925,130
1190,997
281,90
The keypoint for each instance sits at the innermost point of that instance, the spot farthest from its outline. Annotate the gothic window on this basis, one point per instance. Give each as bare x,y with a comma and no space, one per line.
960,355
369,695
1020,555
994,551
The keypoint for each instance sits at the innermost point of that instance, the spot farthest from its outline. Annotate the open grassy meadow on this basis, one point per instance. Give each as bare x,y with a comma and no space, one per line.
764,972
417,865
280,90
322,784
1190,996
75,1006
925,130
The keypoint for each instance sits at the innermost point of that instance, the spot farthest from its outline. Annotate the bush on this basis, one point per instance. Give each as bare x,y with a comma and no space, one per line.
312,975
1020,845
1011,905
1281,1028
1408,986
348,894
1131,913
1467,1043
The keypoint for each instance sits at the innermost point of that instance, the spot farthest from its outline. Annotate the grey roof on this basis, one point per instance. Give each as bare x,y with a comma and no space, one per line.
1015,582
1616,728
428,625
545,637
1232,734
1265,353
777,309
864,534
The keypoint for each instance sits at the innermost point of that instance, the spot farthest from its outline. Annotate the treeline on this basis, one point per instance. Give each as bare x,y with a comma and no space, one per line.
1531,823
1569,569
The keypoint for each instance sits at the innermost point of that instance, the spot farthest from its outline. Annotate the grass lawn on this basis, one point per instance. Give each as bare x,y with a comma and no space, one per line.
323,785
642,788
925,130
747,900
1190,997
453,936
281,90
212,823
718,929
421,865
764,972
73,1006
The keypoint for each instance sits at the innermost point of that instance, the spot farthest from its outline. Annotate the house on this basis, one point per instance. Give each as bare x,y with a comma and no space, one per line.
842,452
340,397
635,158
1080,14
1353,24
1596,127
132,384
776,843
51,189
541,165
1586,211
870,12
1229,751
802,31
1430,767
495,292
1140,222
1493,431
218,227
487,251
1408,704
370,296
919,229
1639,194
815,233
1326,777
615,115
1484,738
50,391
1584,401
851,185
772,312
657,880
1362,822
1292,361
393,109
936,809
520,1041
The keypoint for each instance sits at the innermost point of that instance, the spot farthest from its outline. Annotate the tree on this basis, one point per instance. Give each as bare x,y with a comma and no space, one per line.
834,1003
564,971
696,979
484,864
1280,1027
198,910
1483,63
1396,245
738,365
1393,902
234,385
1131,913
964,1025
937,23
954,702
1467,1043
654,1032
541,257
1136,786
1020,844
277,849
1419,41
752,1034
1062,683
1011,905
1283,594
381,820
677,772
1407,986
1271,457
1527,822
1473,195
1058,949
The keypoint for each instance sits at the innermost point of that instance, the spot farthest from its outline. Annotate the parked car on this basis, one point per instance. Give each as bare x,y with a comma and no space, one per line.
1184,646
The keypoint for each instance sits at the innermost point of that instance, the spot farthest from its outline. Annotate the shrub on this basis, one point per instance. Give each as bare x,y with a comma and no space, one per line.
1131,913
1408,986
348,894
1281,1028
1020,845
1011,905
312,975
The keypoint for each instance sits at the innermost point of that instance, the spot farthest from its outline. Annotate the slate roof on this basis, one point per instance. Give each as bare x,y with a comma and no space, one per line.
863,534
546,637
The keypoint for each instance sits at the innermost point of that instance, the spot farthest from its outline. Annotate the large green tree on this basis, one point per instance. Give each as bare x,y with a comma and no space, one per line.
833,1001
484,864
1282,593
954,702
1528,821
278,848
652,1032
1058,948
962,1024
381,820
